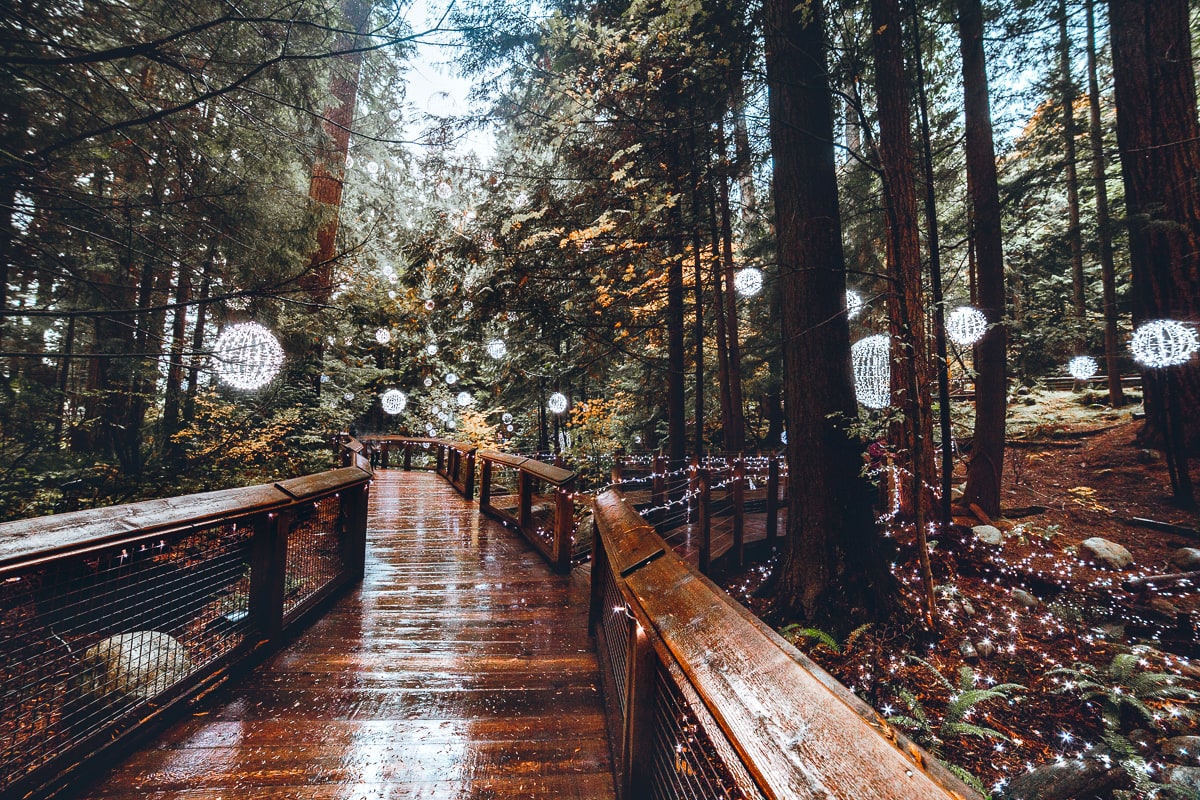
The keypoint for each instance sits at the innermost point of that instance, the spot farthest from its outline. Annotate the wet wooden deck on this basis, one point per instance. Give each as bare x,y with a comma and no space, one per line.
460,669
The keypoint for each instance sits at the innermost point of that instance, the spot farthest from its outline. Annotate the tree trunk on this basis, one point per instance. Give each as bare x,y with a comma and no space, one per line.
676,353
735,435
1074,238
719,307
1108,272
906,306
833,570
985,469
1159,141
698,331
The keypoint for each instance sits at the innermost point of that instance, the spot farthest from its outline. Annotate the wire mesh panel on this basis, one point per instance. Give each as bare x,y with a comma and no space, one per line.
614,616
90,640
504,497
314,551
687,764
542,508
423,456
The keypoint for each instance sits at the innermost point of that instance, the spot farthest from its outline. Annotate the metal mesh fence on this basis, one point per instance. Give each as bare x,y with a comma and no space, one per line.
614,616
314,551
542,507
87,642
686,764
422,456
504,497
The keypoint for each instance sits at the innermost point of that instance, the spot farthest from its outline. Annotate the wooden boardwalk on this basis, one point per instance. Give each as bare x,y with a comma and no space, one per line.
460,669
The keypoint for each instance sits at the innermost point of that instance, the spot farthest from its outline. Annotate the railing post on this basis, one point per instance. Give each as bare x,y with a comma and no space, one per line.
408,448
354,543
524,501
618,469
469,478
772,501
268,567
639,719
485,483
658,485
564,526
739,511
386,452
704,514
441,459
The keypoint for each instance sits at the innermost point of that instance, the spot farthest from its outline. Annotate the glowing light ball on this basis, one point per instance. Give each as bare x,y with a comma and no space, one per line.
783,437
557,403
508,428
428,382
465,399
1163,343
247,356
748,282
372,168
393,115
966,325
443,416
854,304
497,349
451,379
467,306
511,316
444,190
393,401
506,417
451,424
383,336
429,305
348,396
872,362
324,379
1082,368
391,294
431,349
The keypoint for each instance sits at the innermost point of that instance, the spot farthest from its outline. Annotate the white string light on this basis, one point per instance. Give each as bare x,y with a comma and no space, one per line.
872,362
748,282
497,349
247,356
557,403
383,336
1163,343
1082,368
966,325
393,401
854,304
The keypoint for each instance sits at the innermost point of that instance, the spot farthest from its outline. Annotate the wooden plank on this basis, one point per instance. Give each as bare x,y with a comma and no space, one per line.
800,739
333,480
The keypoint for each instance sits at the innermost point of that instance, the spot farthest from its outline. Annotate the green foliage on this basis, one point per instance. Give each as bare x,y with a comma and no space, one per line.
1128,694
795,634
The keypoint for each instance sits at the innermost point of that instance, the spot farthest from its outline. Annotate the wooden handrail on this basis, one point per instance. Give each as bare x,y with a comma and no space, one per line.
778,725
455,461
174,594
556,542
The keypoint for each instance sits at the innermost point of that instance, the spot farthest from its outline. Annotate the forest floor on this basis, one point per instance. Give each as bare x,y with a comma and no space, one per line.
1073,471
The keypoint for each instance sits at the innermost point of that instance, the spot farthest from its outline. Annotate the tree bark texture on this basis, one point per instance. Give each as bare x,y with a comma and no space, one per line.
1108,271
986,466
832,570
1159,141
1071,176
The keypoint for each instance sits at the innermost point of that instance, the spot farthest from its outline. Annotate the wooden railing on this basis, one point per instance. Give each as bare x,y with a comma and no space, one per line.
704,700
454,461
110,618
533,497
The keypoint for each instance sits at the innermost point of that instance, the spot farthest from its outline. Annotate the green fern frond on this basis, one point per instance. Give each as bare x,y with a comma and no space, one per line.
793,633
937,674
968,779
856,634
967,729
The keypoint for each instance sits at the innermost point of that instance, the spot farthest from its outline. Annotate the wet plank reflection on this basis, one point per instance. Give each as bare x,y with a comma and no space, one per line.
460,669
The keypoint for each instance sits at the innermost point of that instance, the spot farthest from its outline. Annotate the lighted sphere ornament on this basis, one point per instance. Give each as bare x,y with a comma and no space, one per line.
431,349
854,304
444,190
393,401
748,282
497,349
451,379
966,325
383,336
1163,343
508,428
464,399
506,417
348,396
1082,368
428,382
557,403
429,305
247,356
872,362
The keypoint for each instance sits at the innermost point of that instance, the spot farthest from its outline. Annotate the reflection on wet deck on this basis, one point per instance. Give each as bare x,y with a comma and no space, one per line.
460,669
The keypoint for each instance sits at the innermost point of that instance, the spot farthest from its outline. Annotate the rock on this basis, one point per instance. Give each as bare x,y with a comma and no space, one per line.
1022,391
1110,554
138,665
1143,741
956,494
1147,456
1186,559
1067,778
1185,778
988,534
985,649
1029,401
1162,605
1024,598
967,608
967,650
1183,750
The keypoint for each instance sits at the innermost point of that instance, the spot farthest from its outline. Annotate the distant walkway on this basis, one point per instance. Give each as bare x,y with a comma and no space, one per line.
461,669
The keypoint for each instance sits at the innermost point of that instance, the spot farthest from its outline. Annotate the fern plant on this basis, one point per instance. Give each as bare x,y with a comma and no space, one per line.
1128,694
795,634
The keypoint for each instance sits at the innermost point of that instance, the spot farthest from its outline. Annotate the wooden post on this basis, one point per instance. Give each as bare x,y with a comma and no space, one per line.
524,501
618,470
564,526
441,459
485,483
408,448
772,501
386,448
704,482
738,554
597,577
640,715
354,542
268,564
469,478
